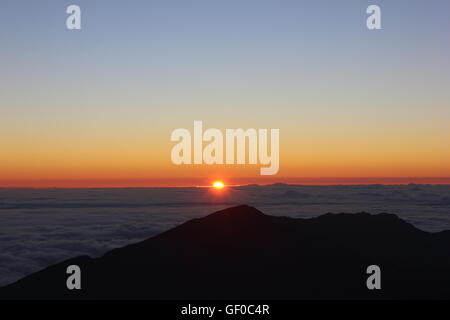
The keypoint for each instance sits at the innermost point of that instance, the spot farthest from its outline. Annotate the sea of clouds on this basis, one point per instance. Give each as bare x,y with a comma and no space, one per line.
40,227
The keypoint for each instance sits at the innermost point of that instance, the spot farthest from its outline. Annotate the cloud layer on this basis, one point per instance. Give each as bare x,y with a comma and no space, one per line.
40,227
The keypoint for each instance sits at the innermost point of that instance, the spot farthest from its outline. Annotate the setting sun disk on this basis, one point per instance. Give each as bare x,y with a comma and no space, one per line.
218,185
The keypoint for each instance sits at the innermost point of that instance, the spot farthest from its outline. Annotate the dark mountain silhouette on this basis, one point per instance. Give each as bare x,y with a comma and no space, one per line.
278,184
242,253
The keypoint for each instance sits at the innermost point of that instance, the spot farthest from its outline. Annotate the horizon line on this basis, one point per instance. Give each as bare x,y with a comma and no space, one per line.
203,182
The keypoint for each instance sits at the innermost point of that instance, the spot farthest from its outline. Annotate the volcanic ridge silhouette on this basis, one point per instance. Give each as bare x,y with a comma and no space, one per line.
241,253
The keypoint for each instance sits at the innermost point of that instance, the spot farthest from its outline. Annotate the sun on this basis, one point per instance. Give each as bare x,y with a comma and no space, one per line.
218,185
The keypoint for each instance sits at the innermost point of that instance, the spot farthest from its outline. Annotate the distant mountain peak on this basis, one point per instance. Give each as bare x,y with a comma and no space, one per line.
241,210
244,215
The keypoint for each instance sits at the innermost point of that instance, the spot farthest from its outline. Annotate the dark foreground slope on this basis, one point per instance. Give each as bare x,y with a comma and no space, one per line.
242,253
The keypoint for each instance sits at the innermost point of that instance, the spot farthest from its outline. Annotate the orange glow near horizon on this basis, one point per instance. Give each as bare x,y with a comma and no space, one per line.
132,162
98,164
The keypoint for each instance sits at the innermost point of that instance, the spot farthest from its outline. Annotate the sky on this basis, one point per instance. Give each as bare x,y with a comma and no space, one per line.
96,106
